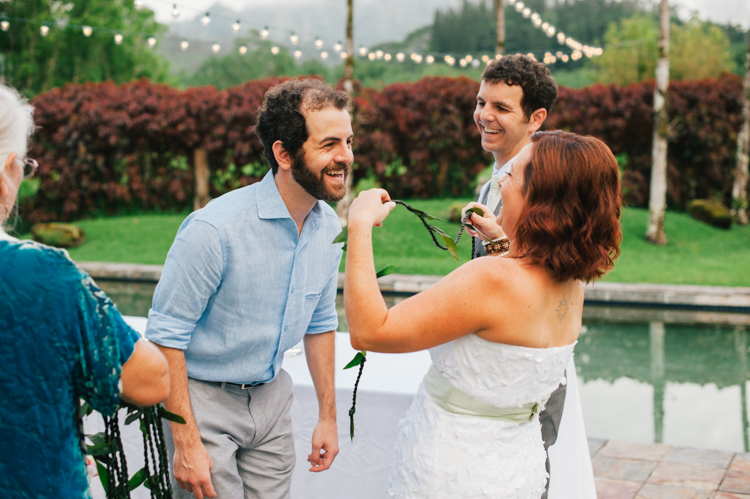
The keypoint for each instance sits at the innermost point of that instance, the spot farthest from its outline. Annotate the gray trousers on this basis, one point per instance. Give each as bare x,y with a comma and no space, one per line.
248,434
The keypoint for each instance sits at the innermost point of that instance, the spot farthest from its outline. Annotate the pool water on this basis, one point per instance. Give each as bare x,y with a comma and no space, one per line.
645,375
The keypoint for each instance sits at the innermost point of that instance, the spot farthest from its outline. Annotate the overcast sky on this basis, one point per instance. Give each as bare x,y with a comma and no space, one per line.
720,11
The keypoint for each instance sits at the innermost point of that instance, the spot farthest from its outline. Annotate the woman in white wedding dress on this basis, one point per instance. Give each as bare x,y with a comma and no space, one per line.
500,329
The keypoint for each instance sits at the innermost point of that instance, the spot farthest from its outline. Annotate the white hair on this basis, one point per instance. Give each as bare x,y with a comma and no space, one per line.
16,124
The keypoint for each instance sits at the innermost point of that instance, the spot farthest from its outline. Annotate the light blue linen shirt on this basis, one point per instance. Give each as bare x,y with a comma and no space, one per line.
241,285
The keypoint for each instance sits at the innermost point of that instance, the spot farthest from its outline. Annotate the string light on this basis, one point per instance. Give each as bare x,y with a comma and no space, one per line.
485,59
264,33
294,38
429,59
175,12
216,47
318,43
561,37
274,50
337,47
118,38
324,55
462,62
44,30
184,44
87,30
206,20
297,54
4,25
371,56
151,41
400,57
520,6
526,12
387,57
138,4
236,26
469,58
379,54
362,51
242,49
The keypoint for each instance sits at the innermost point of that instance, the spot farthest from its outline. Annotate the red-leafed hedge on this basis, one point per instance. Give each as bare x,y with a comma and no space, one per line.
104,148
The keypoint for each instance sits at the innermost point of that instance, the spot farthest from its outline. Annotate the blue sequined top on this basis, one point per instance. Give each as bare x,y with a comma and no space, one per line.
61,339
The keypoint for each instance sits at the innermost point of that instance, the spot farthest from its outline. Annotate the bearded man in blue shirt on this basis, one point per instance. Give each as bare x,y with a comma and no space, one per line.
248,277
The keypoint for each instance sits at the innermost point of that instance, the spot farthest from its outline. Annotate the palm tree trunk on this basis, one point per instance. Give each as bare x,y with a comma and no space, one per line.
500,27
342,207
739,190
657,202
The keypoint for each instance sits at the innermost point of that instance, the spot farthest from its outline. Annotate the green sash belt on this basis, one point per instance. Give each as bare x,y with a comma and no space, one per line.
450,398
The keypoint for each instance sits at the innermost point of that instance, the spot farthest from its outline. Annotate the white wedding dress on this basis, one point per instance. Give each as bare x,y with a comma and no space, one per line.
444,455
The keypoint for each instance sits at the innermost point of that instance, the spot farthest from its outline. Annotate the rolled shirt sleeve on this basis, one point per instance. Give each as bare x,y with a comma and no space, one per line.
191,276
325,318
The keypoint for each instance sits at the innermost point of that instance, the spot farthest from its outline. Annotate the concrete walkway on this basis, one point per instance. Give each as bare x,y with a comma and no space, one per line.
657,471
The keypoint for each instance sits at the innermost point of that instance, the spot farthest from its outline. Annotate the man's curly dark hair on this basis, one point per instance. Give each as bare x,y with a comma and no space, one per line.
280,116
539,89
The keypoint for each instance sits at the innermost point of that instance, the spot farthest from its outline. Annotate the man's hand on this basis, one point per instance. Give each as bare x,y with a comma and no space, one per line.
325,445
192,470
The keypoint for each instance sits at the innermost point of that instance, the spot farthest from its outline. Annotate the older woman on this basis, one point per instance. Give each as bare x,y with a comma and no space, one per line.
61,339
501,329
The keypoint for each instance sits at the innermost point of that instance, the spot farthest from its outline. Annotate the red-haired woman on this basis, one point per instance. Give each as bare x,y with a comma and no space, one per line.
500,330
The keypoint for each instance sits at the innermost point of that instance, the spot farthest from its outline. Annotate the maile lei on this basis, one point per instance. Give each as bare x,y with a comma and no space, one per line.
450,245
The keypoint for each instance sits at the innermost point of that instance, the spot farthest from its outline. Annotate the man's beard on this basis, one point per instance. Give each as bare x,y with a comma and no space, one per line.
315,185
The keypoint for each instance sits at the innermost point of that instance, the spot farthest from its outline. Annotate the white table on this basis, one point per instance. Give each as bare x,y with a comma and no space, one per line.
386,390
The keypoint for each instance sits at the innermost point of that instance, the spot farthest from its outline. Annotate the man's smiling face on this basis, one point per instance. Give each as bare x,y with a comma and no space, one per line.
500,119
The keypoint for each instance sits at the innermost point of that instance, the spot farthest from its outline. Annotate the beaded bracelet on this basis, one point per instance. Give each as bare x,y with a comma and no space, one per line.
497,247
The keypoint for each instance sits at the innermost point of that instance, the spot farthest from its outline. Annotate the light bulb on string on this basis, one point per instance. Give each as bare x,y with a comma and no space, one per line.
498,57
463,63
294,38
324,55
551,31
530,55
206,20
87,30
236,26
526,12
387,57
469,58
429,59
418,59
215,48
379,54
344,55
4,25
362,51
400,57
138,4
318,43
118,38
537,22
44,30
512,2
485,58
564,58
337,47
520,6
175,12
242,49
559,53
535,16
297,54
371,56
264,33
475,63
545,25
275,50
561,37
184,44
151,41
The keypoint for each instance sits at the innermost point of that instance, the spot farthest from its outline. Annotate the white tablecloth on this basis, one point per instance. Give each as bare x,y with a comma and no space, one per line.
386,389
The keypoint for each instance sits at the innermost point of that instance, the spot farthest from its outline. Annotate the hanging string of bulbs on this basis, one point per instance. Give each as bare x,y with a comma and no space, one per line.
578,50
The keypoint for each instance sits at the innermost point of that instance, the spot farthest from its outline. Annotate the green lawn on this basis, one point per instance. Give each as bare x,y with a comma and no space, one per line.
696,253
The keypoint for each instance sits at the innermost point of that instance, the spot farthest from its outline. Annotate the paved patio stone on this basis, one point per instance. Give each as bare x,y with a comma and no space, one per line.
652,491
699,457
737,479
687,476
595,444
622,469
628,450
616,489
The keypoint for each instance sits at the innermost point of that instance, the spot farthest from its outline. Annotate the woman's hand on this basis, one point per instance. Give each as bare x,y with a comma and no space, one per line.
487,224
370,208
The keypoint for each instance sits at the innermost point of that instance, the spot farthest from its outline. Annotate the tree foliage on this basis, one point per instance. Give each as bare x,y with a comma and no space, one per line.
33,63
697,50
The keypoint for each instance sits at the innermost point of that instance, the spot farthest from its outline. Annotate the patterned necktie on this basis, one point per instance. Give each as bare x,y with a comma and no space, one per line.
493,199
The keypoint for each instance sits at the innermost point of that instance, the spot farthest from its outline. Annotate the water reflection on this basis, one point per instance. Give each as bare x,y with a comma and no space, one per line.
646,375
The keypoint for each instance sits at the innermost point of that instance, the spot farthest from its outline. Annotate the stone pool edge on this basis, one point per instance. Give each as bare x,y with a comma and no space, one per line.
718,298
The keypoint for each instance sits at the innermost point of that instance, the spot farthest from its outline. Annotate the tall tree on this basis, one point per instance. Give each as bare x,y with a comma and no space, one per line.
342,208
657,201
739,190
33,62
